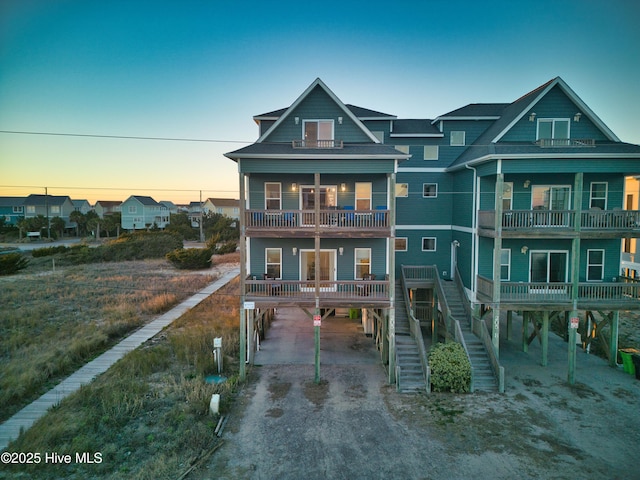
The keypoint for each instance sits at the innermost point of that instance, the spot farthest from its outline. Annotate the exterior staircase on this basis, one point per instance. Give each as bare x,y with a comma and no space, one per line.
483,377
409,369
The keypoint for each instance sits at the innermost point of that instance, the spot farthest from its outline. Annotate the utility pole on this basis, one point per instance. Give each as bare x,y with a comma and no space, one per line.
46,206
201,232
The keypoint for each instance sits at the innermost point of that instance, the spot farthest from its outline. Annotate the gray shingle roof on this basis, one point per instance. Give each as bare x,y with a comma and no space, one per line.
287,150
474,110
414,127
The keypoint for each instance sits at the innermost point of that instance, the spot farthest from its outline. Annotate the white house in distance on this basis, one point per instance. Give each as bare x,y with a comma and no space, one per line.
141,213
226,206
107,207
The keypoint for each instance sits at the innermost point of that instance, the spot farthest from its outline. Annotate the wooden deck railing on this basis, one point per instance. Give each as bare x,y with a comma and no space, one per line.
306,219
356,290
589,220
566,142
317,144
618,293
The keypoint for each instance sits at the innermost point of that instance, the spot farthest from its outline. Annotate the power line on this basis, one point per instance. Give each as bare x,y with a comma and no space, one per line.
125,137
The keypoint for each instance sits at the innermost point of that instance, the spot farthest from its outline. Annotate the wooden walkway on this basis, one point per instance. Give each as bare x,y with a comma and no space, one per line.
10,430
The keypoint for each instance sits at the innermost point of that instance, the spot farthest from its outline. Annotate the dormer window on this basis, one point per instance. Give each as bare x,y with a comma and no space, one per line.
318,133
553,128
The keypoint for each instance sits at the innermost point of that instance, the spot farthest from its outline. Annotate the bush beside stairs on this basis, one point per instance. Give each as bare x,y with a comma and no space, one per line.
482,374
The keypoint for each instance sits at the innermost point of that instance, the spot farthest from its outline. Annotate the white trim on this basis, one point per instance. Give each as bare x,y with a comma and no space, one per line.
478,117
537,156
429,196
595,264
333,274
424,227
355,262
317,121
343,107
435,244
421,169
508,264
266,262
566,264
329,155
553,121
464,138
606,194
424,153
272,198
355,191
416,135
584,109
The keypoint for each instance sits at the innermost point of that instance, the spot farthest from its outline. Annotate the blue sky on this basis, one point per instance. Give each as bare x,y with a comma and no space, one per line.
201,69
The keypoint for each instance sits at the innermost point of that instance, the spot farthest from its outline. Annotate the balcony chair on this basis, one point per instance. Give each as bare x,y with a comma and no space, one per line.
379,216
364,289
348,219
272,288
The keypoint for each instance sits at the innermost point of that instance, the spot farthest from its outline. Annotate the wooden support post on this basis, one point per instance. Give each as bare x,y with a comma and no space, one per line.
434,318
613,341
243,276
391,261
251,336
509,320
495,331
545,337
525,331
497,252
571,371
317,273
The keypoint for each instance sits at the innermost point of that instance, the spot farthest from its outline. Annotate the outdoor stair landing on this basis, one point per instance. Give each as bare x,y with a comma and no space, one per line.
411,377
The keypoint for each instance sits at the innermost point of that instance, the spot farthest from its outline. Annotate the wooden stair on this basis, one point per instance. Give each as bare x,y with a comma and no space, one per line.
482,374
411,378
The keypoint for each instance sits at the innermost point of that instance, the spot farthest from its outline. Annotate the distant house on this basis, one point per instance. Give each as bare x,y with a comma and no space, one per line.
12,209
140,213
172,207
194,211
49,206
82,206
226,206
106,207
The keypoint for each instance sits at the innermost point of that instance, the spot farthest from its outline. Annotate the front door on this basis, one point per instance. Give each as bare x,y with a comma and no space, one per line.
327,269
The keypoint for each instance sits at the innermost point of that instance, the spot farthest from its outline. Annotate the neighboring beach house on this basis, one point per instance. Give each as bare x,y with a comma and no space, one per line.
107,207
225,206
490,208
12,209
142,213
49,206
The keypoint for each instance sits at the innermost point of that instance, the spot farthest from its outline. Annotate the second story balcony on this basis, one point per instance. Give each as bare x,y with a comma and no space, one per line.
333,223
593,223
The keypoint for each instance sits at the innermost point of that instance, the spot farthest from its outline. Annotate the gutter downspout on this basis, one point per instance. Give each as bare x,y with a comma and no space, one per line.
474,232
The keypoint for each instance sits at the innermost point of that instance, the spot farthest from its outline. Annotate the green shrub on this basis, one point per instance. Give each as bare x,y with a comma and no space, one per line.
12,262
46,251
227,247
190,258
450,368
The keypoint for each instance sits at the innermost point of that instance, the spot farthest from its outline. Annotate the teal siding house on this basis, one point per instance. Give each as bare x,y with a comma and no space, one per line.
139,212
12,209
520,206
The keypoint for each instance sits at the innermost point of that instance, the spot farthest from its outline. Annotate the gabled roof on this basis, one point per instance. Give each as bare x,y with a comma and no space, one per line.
147,201
518,109
475,111
108,203
12,201
367,114
224,202
415,128
360,151
35,199
342,106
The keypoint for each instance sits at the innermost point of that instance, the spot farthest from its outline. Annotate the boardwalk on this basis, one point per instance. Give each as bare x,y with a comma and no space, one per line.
22,420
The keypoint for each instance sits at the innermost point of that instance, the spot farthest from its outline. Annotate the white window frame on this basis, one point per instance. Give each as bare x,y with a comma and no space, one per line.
31,209
403,148
318,121
457,144
406,190
553,127
429,196
267,263
592,198
508,265
55,209
279,197
589,264
366,198
406,244
356,264
133,209
379,135
431,152
435,244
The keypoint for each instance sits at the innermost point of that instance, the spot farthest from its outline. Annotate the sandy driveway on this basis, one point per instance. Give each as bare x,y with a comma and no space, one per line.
353,425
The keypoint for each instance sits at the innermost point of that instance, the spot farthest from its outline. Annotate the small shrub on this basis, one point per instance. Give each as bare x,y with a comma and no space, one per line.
12,263
227,247
46,251
190,258
450,368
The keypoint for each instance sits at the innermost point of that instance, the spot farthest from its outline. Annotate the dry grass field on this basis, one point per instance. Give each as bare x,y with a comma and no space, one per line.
54,320
148,416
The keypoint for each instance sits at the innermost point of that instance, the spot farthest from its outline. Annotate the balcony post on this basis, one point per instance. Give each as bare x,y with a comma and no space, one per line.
575,276
243,276
316,328
497,253
391,188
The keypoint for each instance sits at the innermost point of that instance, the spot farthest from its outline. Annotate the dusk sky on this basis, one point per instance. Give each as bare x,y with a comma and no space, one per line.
197,69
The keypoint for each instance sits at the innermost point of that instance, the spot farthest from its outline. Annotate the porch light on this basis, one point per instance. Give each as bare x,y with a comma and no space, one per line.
343,187
524,250
341,250
340,120
294,186
576,117
527,183
532,117
294,250
297,120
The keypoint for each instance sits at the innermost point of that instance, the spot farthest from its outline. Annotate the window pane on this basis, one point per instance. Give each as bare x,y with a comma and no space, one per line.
595,256
594,272
401,244
544,128
430,190
561,129
431,152
325,130
402,189
429,244
457,138
311,131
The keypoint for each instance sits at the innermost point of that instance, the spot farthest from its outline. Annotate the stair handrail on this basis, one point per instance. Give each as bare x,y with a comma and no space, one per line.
479,328
416,334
